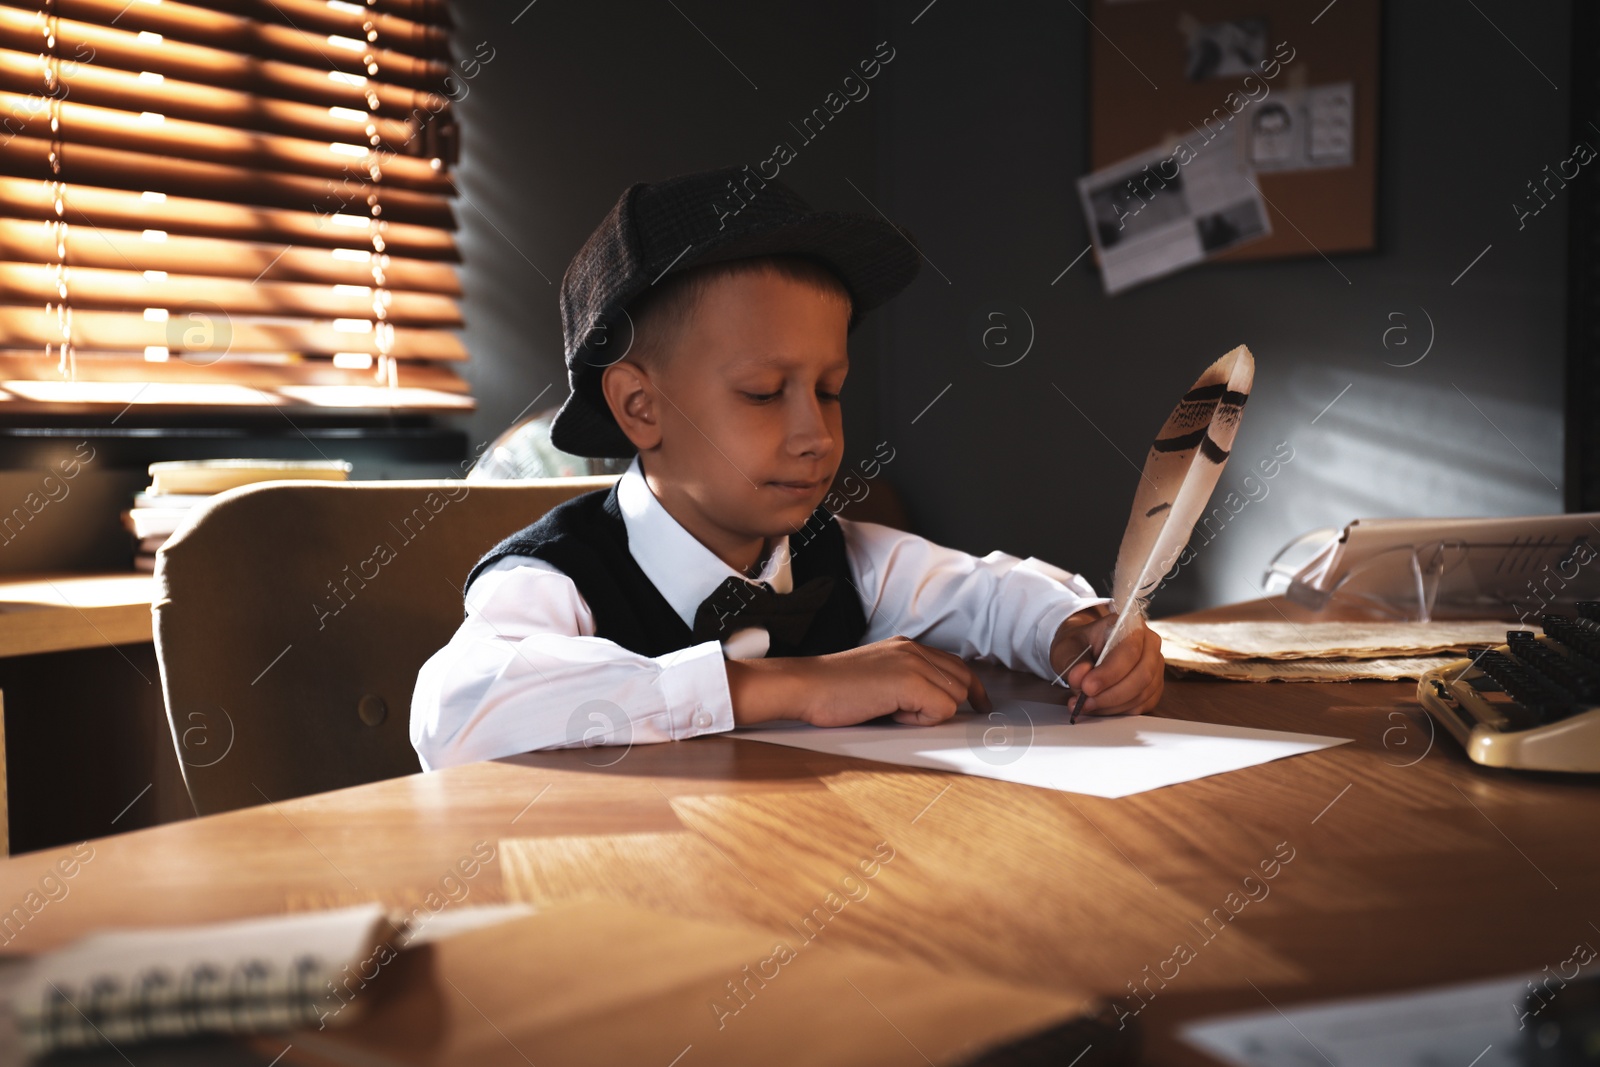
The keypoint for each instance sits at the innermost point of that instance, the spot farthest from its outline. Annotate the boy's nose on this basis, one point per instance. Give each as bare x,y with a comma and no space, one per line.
808,428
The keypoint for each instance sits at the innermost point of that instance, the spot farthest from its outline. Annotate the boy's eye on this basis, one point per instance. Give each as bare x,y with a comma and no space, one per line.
762,398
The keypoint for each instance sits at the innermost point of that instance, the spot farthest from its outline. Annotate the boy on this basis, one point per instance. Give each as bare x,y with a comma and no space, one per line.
709,588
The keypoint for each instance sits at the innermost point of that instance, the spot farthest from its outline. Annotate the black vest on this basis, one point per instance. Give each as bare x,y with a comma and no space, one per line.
586,538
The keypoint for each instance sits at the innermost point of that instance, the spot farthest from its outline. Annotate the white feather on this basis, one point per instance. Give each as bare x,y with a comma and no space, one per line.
1180,474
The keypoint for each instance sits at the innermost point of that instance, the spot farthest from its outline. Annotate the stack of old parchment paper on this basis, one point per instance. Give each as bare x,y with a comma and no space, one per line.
1320,651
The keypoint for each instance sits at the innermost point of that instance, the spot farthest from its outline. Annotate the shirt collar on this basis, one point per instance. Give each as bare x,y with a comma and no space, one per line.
682,569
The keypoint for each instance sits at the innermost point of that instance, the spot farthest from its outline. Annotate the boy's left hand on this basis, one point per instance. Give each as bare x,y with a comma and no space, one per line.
1130,680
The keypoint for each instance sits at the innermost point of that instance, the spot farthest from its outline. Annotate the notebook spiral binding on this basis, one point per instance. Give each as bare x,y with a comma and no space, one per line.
251,996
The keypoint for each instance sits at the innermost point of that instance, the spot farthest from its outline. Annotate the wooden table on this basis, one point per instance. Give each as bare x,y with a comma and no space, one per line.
1399,863
58,612
77,662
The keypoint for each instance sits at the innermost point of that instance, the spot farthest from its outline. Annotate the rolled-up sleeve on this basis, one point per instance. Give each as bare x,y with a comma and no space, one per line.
524,671
998,607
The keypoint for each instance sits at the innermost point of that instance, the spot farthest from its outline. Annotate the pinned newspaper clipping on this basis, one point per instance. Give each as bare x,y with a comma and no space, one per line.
1151,216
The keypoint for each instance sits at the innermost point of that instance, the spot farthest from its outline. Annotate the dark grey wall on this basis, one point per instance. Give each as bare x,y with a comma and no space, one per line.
984,136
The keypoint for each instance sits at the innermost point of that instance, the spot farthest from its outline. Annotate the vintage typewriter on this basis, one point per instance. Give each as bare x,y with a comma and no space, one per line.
1532,703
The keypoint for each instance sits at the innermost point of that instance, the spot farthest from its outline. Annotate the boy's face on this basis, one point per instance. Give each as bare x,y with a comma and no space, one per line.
746,431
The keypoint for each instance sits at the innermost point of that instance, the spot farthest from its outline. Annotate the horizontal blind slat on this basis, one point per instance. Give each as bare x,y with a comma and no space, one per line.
29,383
87,124
196,330
189,24
28,157
21,366
111,212
427,12
96,398
125,90
319,16
121,290
83,43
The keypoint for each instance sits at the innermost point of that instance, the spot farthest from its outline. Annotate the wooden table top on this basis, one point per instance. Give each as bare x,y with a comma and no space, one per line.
1394,861
57,612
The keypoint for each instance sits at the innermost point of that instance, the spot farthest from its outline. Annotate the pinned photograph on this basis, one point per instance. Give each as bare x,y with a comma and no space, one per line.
1225,49
1274,136
1231,226
1304,129
1121,212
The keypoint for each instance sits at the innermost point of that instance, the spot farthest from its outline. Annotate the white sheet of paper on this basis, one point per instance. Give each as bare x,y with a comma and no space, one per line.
1474,1023
1031,743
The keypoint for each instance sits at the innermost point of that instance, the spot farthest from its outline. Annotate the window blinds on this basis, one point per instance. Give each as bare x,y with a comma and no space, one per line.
241,204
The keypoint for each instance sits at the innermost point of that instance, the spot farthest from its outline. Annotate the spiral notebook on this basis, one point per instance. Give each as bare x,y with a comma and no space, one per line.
123,987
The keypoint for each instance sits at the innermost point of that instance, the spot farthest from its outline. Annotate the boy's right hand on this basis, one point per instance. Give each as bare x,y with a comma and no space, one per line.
916,684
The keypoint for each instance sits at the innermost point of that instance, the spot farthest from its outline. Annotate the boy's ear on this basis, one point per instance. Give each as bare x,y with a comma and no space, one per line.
632,398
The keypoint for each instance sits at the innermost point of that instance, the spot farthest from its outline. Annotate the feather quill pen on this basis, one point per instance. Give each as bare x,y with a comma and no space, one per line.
1180,474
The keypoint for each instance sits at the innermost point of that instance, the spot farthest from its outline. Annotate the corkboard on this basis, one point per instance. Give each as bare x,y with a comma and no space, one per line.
1134,43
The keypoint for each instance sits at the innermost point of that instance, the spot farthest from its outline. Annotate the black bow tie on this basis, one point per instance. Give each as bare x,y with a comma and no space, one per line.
738,603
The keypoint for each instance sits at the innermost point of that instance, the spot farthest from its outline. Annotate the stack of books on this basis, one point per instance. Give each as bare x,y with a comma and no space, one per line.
177,487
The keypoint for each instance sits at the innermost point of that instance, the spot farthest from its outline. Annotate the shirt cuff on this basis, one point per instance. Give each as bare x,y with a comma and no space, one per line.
1051,622
694,682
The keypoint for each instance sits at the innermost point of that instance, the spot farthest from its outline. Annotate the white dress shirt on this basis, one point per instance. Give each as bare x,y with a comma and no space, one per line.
525,670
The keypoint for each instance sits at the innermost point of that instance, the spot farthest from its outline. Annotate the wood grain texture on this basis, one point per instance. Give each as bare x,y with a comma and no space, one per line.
1408,865
54,613
604,984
